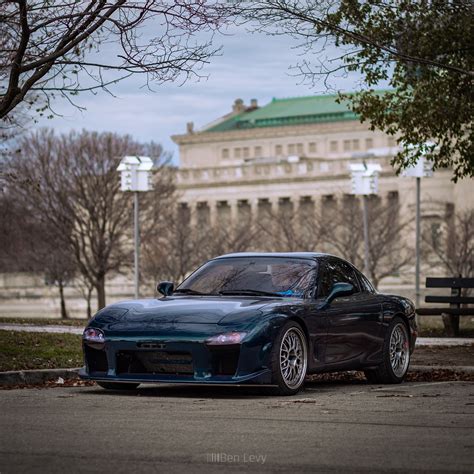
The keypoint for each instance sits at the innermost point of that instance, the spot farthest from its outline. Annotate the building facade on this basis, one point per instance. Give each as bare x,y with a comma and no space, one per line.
294,151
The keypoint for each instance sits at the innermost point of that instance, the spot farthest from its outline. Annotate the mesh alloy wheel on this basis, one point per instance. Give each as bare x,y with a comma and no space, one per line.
293,358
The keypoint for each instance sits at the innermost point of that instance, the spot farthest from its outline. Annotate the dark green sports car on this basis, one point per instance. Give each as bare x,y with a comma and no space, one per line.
264,319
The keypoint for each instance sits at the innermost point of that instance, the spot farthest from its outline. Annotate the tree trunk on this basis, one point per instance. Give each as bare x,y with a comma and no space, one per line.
63,302
100,288
88,300
451,325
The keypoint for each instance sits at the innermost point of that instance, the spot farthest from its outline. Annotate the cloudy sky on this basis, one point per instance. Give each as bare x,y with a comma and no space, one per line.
250,66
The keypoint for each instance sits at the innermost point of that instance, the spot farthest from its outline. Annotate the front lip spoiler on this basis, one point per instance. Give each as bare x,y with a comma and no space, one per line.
245,380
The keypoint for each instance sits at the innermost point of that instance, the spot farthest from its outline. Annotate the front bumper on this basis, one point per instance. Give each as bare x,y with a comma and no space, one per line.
189,362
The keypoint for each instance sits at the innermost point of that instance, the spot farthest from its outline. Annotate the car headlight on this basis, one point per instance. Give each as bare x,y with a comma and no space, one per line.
226,338
94,337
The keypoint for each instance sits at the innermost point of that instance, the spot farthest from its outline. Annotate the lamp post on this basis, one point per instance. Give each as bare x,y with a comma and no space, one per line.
135,177
421,169
364,181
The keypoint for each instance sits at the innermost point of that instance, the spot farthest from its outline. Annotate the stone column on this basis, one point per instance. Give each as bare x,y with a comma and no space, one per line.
212,212
192,213
253,210
233,212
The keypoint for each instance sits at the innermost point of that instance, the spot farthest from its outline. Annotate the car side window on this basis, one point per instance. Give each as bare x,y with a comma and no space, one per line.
337,271
324,280
367,287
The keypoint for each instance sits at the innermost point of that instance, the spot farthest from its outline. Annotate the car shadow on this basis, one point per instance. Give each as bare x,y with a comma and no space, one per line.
219,392
183,391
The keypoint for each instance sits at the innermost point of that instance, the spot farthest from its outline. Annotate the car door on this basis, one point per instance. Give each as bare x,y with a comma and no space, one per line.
353,322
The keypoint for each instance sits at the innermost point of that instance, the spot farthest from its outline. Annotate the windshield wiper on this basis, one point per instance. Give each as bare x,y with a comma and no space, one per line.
189,291
249,292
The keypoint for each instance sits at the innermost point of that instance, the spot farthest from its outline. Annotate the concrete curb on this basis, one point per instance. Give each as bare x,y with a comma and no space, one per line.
34,377
466,369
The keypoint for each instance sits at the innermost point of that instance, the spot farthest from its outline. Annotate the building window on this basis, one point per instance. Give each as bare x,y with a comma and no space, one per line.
333,146
279,150
291,149
246,152
258,151
355,144
237,152
312,147
369,143
225,153
299,149
347,145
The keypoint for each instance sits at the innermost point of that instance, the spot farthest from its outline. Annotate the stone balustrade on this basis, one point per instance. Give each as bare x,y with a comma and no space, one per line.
267,171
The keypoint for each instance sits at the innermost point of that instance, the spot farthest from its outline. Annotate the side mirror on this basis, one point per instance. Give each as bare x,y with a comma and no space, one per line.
166,288
338,289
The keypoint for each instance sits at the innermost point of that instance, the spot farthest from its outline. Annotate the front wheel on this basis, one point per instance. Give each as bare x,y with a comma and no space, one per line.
118,385
396,355
289,359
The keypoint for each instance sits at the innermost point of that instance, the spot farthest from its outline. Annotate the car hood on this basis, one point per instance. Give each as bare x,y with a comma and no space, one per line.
177,310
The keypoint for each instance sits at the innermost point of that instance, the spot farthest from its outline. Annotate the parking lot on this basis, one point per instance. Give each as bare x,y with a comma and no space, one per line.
329,427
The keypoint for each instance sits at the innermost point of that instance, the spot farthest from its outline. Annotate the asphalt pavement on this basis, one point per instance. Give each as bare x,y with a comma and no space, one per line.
330,427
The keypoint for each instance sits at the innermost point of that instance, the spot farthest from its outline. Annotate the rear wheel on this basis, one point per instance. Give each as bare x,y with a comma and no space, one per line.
118,385
289,359
396,355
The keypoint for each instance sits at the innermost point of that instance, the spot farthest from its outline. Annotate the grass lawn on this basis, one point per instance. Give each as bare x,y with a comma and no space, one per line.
33,350
45,321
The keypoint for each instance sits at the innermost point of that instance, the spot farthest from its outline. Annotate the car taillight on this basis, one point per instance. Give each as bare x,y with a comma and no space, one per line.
226,338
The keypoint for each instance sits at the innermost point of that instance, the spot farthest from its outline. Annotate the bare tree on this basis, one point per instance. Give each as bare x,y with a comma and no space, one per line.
61,47
344,228
286,230
226,238
71,183
172,247
337,228
449,244
29,245
179,241
86,289
60,269
389,252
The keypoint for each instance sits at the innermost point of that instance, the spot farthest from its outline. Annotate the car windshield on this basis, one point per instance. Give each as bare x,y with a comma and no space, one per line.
265,276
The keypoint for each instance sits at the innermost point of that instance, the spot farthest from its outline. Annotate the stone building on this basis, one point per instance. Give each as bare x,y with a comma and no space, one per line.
290,152
296,152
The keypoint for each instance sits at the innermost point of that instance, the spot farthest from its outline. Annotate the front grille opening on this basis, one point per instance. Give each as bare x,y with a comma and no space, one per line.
96,359
154,362
225,359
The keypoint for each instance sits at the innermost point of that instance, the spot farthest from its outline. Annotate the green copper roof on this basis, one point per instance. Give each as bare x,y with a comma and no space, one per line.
290,111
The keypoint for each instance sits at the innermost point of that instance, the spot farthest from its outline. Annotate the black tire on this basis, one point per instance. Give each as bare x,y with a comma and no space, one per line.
385,372
118,385
298,356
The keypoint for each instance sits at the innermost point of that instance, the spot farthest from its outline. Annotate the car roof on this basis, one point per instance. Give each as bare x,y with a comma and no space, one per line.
306,255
